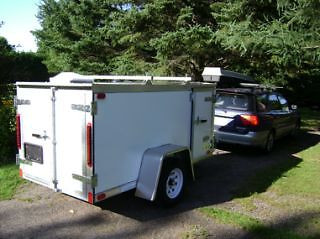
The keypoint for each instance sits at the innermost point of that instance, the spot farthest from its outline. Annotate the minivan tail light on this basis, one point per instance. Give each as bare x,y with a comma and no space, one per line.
89,144
249,120
18,131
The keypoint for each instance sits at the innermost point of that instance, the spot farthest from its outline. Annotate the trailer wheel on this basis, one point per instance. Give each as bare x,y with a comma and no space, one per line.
172,182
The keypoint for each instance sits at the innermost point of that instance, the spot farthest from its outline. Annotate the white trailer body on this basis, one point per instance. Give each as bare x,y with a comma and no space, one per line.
94,139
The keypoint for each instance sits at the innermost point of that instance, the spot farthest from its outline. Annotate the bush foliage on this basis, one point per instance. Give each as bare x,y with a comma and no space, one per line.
14,66
7,130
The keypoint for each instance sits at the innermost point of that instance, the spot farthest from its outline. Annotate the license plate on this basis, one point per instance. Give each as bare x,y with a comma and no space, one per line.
33,153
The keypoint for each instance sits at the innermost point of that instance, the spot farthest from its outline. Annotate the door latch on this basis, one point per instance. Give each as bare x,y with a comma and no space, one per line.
39,136
200,121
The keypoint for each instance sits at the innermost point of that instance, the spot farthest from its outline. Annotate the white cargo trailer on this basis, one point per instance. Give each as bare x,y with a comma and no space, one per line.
93,137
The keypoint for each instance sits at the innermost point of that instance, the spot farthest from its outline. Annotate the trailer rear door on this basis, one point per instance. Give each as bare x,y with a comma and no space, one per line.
34,111
54,138
73,115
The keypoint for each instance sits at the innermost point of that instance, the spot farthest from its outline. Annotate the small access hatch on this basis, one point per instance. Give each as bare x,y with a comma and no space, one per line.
33,153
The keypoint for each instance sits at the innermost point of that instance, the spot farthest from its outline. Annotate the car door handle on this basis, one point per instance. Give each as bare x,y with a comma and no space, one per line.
203,121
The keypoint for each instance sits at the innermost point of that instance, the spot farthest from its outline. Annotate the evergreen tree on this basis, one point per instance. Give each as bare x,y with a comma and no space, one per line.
127,37
279,40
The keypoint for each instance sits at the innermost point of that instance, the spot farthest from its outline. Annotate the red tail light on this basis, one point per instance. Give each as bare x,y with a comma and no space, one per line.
249,120
89,144
101,96
18,131
101,196
20,172
90,197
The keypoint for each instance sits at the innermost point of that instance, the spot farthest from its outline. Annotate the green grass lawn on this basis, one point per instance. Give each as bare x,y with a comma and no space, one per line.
259,207
310,119
10,180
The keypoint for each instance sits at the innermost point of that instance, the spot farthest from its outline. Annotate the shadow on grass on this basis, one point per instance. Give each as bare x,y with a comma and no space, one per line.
283,228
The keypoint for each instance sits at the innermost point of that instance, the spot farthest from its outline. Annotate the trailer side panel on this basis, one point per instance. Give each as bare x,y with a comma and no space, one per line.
128,123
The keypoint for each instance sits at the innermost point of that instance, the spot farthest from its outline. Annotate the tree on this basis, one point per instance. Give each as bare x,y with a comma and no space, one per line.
14,66
127,37
75,35
278,38
277,42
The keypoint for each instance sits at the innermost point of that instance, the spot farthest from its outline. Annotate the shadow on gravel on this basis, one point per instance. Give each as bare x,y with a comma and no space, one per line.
221,178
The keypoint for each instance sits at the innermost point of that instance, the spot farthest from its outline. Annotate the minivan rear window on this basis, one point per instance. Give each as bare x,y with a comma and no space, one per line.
232,101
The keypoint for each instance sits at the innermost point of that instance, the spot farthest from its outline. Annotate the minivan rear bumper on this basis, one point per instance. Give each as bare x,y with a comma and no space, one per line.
251,138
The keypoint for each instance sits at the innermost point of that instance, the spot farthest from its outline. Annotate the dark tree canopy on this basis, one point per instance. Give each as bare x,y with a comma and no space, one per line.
275,41
127,37
19,66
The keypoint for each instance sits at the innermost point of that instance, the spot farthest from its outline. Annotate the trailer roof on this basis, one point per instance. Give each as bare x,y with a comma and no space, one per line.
117,82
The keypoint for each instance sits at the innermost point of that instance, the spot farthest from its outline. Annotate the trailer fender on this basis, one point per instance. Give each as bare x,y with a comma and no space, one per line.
151,166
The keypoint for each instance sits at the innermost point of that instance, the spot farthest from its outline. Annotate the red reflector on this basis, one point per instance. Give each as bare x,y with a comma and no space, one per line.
101,96
249,120
90,197
101,196
89,143
20,172
18,131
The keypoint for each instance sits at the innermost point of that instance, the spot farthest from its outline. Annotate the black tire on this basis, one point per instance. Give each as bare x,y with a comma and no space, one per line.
296,129
268,147
172,182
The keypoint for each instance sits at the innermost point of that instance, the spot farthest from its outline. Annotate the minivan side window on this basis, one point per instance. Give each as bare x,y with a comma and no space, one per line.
284,103
274,103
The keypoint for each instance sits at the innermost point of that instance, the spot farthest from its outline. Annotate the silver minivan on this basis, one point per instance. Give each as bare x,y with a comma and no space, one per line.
253,116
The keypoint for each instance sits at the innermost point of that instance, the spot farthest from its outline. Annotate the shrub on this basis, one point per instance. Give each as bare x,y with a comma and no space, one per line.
7,128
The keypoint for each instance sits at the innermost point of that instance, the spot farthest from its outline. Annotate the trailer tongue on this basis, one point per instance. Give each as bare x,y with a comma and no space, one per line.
93,137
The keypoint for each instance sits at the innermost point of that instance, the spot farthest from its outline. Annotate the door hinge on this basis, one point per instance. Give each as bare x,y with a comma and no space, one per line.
22,161
209,98
84,108
21,102
91,180
94,109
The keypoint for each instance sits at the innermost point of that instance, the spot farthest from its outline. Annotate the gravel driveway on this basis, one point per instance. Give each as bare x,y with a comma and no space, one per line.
37,212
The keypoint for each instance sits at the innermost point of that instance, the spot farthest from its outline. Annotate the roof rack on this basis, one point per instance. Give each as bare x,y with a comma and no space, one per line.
70,77
260,86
